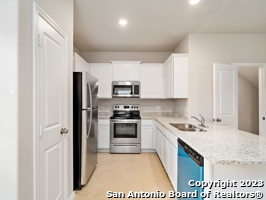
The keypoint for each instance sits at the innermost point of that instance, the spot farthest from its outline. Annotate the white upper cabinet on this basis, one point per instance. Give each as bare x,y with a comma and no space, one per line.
175,76
103,72
126,71
80,65
151,78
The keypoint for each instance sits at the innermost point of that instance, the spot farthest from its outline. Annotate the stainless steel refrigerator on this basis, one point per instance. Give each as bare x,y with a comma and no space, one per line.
85,127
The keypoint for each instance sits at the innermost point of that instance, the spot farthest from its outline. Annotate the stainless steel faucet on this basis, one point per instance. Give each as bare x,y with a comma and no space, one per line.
201,120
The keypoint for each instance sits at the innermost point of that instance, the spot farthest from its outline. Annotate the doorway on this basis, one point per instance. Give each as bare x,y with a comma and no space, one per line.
248,99
231,111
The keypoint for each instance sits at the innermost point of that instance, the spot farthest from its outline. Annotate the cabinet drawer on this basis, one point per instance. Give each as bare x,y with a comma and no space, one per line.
104,122
147,122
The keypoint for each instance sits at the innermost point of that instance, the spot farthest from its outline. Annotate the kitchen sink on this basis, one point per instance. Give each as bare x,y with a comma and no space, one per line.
188,127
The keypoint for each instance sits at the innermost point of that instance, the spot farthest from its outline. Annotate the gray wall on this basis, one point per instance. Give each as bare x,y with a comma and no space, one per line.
248,106
25,108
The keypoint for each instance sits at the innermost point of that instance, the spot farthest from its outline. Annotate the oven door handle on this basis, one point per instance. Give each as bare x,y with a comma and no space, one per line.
125,121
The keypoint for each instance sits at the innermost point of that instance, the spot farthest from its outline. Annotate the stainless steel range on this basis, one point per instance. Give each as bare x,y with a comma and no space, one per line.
125,129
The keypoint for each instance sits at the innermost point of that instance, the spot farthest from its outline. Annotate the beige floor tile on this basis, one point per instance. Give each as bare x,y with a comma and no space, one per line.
123,173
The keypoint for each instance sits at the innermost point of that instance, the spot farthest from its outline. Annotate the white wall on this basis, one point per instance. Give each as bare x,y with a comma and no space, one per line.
147,57
9,99
206,49
248,106
62,13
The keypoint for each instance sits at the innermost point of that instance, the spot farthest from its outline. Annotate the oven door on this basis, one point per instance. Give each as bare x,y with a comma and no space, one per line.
125,131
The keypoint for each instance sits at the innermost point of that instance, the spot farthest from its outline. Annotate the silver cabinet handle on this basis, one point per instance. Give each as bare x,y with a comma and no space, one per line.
64,131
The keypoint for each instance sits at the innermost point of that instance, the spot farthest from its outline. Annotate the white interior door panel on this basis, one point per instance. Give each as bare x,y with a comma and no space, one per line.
51,70
225,94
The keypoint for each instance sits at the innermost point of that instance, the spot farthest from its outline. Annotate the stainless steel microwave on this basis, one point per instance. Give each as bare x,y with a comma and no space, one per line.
126,89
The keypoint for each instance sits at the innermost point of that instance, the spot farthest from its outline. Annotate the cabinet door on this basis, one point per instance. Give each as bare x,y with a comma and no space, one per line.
159,143
103,72
151,78
119,72
164,152
132,72
126,72
146,137
173,165
80,65
168,78
180,76
154,138
175,76
103,134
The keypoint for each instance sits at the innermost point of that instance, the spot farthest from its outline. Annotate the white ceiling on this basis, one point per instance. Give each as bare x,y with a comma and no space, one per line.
251,74
159,25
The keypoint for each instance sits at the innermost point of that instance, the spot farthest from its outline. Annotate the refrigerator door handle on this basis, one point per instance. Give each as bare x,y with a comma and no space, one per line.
90,106
89,127
86,109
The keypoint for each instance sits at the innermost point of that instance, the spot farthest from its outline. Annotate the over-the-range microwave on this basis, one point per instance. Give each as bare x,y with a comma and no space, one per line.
126,89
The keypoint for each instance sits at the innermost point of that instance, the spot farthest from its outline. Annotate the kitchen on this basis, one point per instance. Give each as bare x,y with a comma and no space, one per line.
183,65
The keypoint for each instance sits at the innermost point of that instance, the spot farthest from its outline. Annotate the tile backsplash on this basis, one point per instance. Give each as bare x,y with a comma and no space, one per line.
177,107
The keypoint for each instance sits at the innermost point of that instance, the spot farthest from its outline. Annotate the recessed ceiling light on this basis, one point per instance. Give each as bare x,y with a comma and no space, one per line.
193,2
123,22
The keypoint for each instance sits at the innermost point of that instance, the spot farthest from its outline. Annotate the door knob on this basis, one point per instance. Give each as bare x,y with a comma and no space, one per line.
263,118
64,131
217,120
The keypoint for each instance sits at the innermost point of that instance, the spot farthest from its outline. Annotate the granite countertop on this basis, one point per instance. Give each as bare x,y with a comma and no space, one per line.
221,145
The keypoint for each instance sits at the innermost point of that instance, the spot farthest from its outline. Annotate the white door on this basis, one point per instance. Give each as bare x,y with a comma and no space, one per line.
225,94
262,100
52,94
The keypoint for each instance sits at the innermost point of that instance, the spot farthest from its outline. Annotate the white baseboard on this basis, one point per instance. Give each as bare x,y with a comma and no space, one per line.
148,150
142,150
72,196
103,150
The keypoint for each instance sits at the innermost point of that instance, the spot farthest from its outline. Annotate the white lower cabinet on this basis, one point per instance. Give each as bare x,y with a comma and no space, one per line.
147,134
104,134
173,165
167,153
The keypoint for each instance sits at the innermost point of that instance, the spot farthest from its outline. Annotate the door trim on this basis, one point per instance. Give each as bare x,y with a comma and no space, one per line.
39,12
